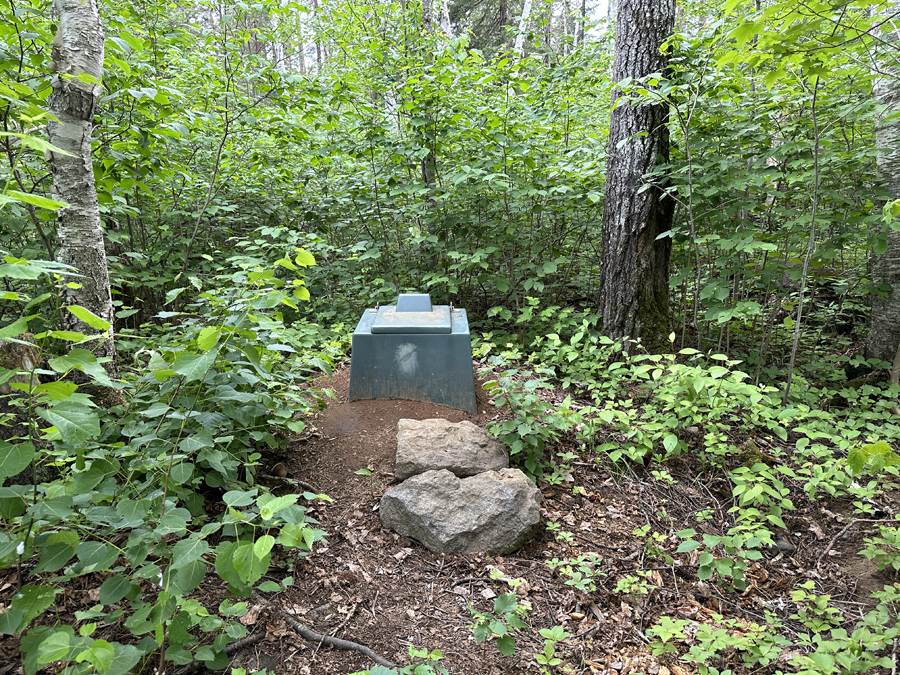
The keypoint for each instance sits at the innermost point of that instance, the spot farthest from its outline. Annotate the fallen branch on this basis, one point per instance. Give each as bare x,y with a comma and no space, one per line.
310,635
290,481
346,619
843,530
244,642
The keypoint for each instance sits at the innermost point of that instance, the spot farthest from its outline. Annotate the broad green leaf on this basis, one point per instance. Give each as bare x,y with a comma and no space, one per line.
208,338
188,550
226,570
202,439
55,556
263,545
100,654
27,603
53,648
268,506
56,391
14,457
291,535
856,461
12,271
249,566
194,366
252,354
35,142
67,335
182,472
96,556
36,200
670,442
126,658
505,603
85,361
75,422
304,258
187,578
236,498
16,328
506,645
89,317
114,589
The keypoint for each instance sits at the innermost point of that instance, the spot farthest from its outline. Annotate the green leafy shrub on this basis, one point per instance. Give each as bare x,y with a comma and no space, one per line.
135,486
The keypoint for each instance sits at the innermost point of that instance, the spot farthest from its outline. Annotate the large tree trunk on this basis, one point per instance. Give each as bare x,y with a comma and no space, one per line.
634,276
78,63
884,334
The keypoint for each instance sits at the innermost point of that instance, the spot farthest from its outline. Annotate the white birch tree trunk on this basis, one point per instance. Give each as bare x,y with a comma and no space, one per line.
884,334
445,19
519,47
78,65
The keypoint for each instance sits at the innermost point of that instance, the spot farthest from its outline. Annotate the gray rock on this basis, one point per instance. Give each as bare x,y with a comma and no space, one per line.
495,512
782,545
462,448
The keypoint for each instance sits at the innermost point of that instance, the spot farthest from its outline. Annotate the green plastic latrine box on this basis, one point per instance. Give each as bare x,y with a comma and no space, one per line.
413,350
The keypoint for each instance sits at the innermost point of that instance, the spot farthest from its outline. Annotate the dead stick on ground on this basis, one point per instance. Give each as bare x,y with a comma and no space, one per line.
310,635
843,530
244,642
341,625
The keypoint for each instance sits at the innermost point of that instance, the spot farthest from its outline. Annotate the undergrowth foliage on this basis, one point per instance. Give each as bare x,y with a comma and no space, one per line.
650,410
154,495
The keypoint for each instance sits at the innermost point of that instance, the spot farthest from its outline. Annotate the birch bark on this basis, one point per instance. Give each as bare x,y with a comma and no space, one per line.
884,334
519,47
634,275
78,63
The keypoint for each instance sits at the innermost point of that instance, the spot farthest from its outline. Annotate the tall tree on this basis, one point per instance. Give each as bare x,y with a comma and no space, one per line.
634,276
884,335
78,63
523,26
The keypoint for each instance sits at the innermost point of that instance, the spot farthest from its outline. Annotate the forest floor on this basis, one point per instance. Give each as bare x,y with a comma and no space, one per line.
373,587
370,586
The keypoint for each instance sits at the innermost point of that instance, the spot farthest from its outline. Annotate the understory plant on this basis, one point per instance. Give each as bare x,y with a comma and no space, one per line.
150,498
828,648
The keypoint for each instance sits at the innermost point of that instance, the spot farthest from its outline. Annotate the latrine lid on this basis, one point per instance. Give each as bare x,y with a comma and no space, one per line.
413,314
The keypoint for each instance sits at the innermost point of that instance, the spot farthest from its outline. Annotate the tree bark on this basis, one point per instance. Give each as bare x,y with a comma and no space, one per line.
519,47
78,63
445,19
580,39
426,15
884,333
634,276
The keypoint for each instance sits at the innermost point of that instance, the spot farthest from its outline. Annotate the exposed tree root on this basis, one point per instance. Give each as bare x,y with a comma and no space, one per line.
312,636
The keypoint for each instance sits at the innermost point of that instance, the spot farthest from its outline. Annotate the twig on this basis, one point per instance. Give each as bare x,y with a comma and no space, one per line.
306,486
346,619
310,635
374,604
843,530
290,481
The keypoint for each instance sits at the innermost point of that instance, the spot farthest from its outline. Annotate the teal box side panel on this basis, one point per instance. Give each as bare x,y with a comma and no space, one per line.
420,367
